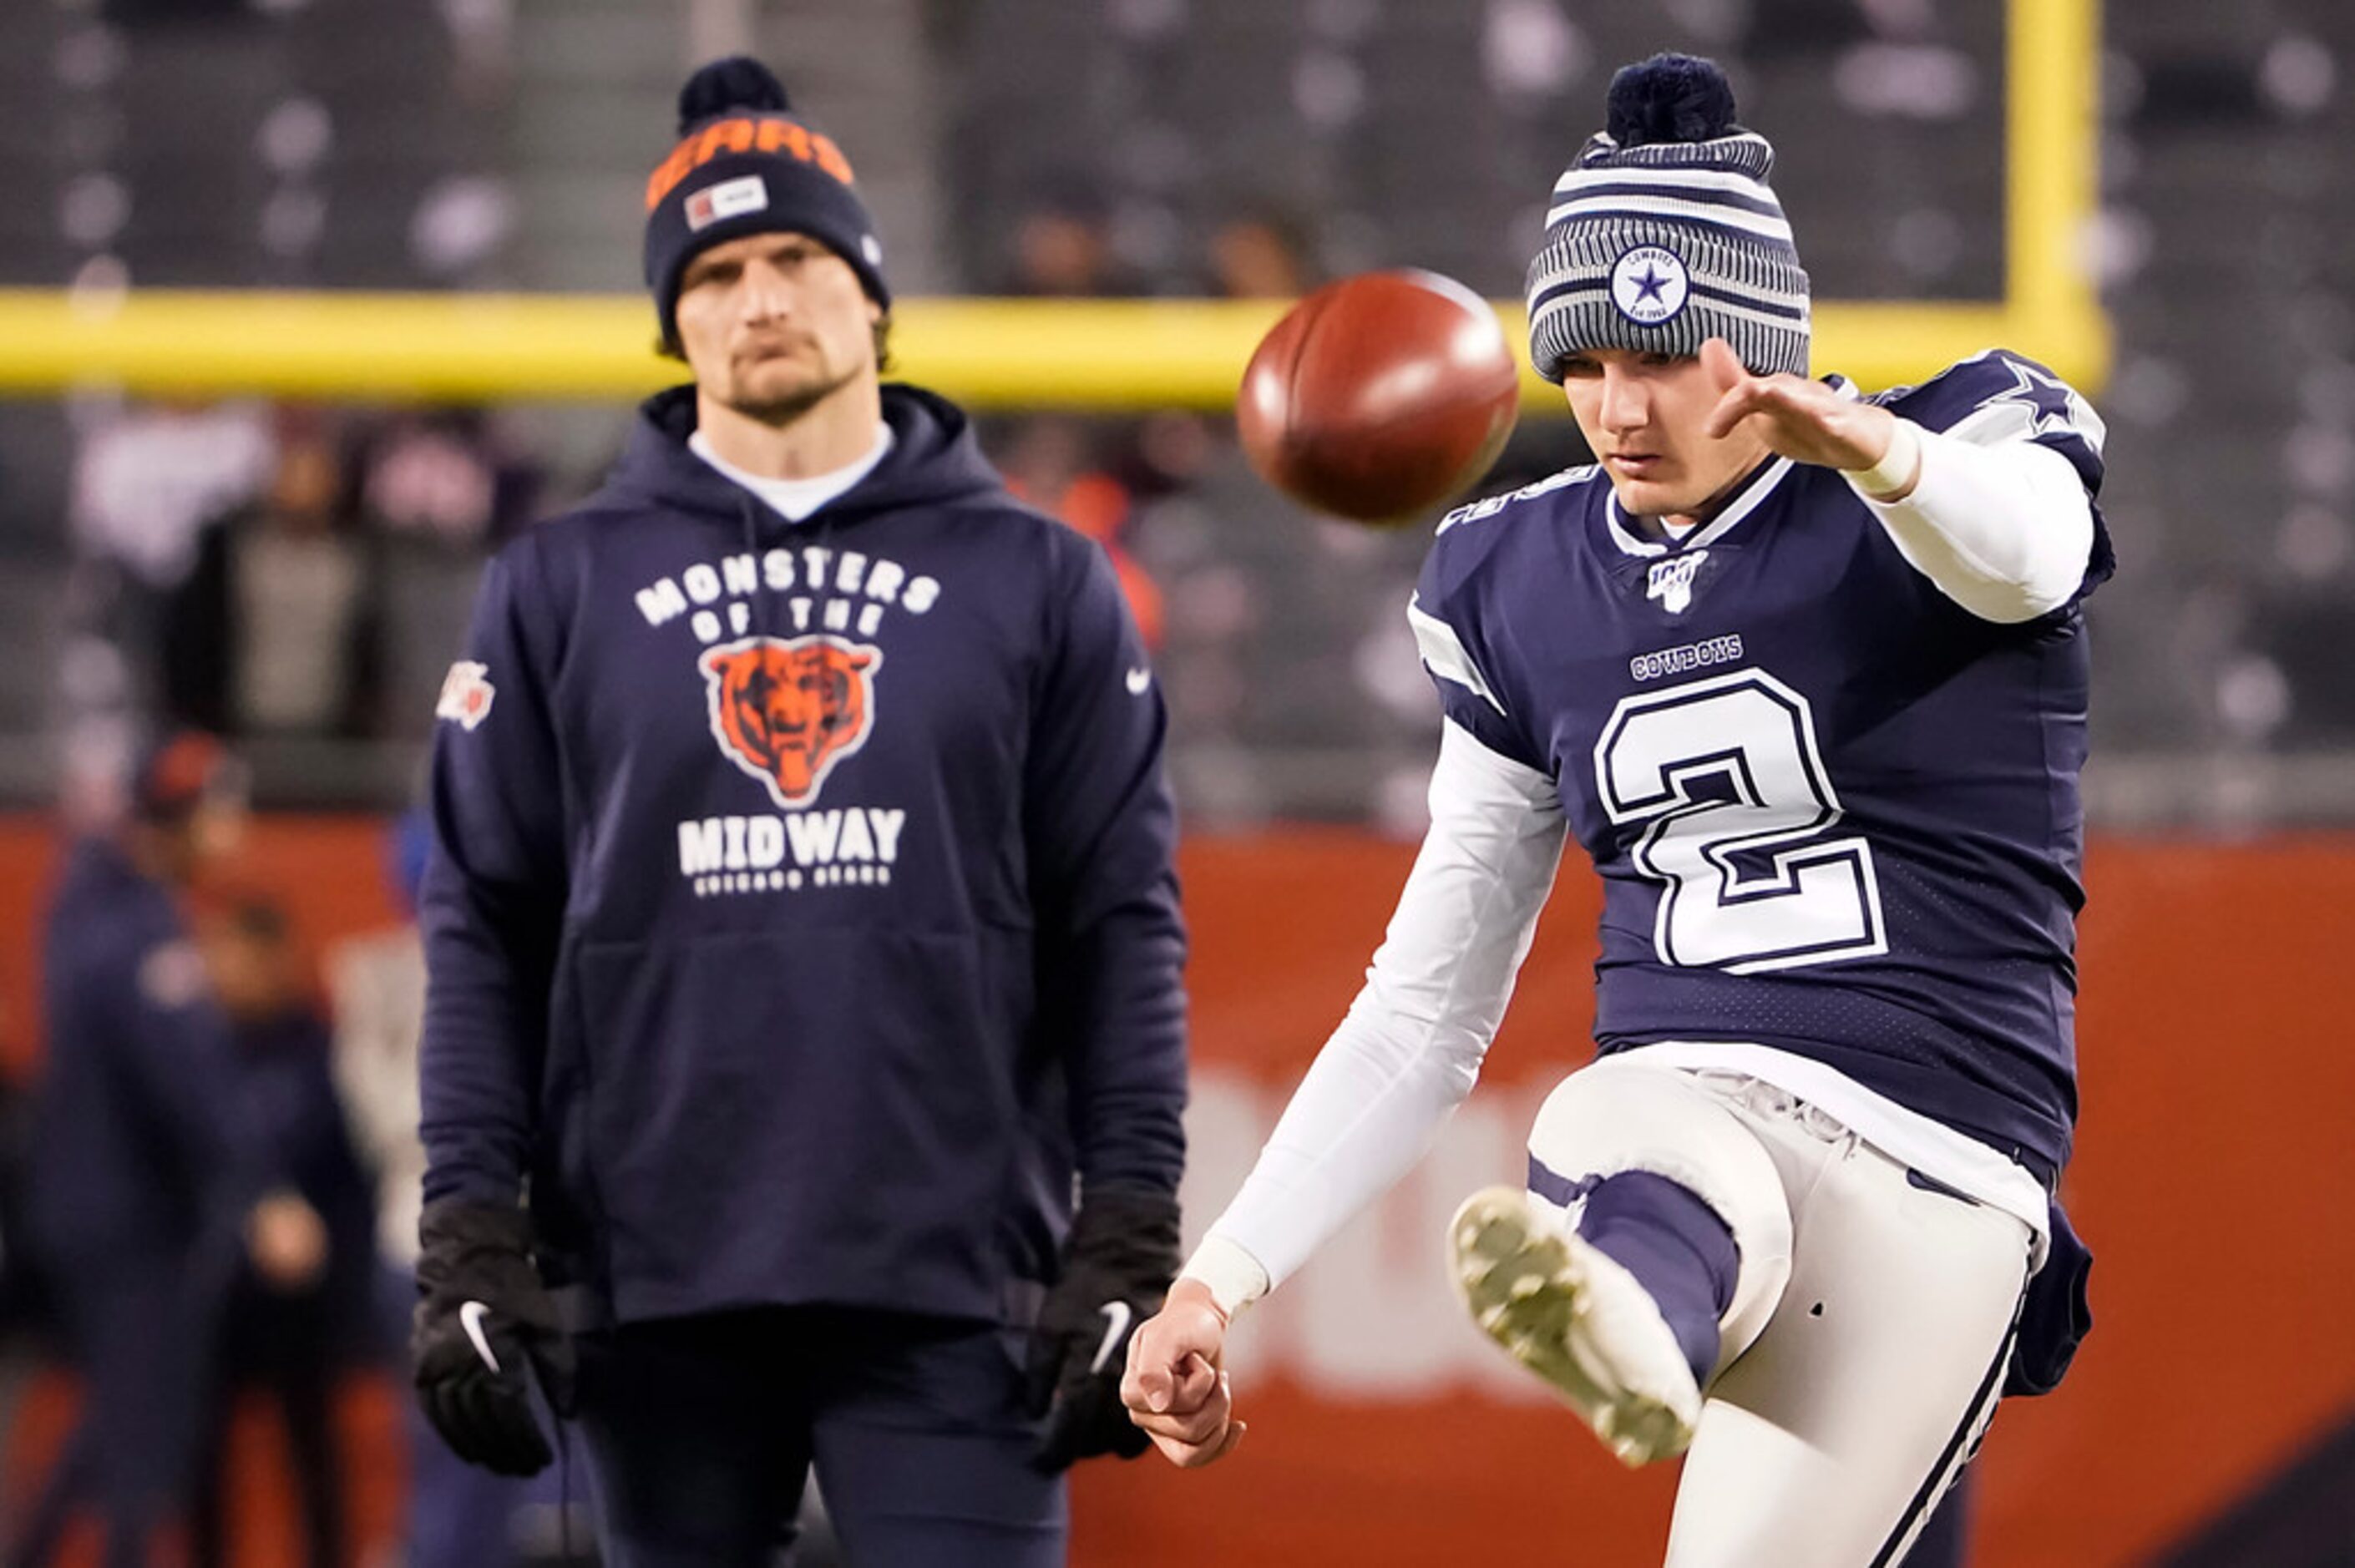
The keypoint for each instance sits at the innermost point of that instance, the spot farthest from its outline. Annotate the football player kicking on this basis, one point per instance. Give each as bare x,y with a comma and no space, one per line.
800,931
1804,673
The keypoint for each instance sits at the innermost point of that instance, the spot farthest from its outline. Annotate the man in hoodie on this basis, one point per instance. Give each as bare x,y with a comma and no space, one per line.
802,936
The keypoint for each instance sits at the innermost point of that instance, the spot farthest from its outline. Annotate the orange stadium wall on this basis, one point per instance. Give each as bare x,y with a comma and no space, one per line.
2213,1179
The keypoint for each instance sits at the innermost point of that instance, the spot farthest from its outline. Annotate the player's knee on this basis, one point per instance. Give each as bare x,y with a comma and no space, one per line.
1622,1115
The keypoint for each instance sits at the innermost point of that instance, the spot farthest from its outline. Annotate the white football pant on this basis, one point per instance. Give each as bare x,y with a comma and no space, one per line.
1869,1330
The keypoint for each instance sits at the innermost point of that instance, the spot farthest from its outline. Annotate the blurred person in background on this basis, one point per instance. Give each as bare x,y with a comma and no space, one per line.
290,1332
271,631
24,1314
1059,247
148,1187
1260,254
1048,465
460,1515
147,478
447,476
1062,246
439,490
802,931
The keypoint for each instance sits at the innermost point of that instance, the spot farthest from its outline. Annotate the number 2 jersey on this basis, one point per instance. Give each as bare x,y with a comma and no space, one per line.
1835,813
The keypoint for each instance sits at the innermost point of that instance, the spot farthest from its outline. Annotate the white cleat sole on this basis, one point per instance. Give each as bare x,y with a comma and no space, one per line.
1576,1319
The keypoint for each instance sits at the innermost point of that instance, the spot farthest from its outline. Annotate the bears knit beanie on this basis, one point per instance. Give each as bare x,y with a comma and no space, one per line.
746,165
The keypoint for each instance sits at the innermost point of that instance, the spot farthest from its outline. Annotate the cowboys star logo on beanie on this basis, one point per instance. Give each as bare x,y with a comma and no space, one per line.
746,165
1665,233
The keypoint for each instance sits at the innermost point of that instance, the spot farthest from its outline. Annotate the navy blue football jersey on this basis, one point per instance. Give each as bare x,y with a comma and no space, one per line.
1834,812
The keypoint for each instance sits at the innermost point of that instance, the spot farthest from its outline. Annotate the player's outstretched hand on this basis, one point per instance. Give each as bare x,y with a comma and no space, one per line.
1174,1388
1803,421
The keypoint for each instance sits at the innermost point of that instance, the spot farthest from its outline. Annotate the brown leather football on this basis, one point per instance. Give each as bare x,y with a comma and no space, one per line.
1379,397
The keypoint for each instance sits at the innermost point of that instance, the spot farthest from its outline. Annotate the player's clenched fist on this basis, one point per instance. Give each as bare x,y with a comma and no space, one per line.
1174,1388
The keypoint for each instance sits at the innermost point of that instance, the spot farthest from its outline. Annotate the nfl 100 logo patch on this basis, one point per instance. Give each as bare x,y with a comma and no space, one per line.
1671,581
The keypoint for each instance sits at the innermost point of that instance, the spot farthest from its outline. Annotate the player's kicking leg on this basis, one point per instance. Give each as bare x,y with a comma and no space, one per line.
1837,1393
1617,1278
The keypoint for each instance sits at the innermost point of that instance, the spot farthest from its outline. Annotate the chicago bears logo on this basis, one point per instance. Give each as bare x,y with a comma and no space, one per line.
786,711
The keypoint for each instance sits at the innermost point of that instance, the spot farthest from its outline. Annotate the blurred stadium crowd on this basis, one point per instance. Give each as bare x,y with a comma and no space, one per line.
293,575
296,577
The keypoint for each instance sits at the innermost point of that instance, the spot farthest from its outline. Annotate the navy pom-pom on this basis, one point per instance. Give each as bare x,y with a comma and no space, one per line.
1669,98
725,87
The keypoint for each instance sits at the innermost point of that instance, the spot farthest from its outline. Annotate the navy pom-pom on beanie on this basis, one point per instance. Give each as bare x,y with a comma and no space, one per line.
1669,98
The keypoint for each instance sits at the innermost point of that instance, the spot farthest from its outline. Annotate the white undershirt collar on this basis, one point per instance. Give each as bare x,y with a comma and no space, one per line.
1759,484
796,499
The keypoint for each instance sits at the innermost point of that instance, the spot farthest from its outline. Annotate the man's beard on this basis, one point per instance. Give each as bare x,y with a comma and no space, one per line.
782,407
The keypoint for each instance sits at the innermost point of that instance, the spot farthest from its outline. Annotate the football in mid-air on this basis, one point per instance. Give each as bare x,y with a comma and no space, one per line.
1380,397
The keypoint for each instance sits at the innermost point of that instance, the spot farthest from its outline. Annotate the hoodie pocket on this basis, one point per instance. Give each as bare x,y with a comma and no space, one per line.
807,1117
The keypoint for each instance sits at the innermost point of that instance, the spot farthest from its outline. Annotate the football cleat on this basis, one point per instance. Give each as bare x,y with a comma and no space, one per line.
1571,1315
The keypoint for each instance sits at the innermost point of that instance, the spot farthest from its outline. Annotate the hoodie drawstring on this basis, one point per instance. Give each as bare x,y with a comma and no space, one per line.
748,513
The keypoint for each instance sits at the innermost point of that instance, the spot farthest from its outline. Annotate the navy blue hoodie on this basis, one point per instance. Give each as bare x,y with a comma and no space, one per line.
801,918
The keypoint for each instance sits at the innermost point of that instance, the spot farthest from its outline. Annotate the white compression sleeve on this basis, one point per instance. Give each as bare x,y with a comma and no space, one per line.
1411,1044
2003,530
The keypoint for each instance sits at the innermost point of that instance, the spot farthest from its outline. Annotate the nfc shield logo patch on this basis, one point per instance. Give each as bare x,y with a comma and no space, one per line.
728,199
466,698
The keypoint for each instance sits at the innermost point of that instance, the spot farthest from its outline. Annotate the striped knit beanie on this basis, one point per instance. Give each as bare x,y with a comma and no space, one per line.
1665,233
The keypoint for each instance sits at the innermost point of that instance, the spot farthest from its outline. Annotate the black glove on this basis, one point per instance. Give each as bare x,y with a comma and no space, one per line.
482,1313
1116,1268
